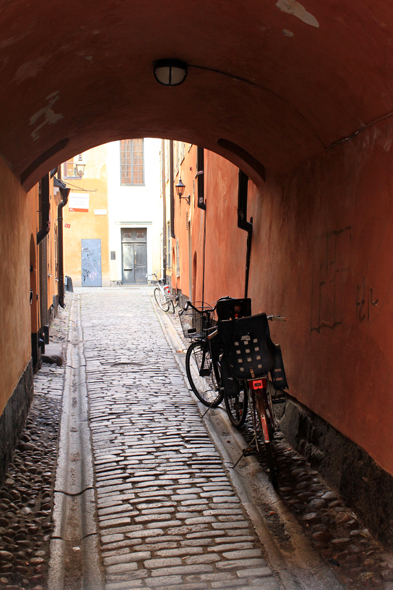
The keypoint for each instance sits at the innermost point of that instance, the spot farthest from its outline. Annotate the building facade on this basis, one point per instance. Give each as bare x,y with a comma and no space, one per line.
113,219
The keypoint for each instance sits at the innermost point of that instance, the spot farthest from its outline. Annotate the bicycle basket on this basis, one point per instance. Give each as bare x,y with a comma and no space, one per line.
196,320
247,346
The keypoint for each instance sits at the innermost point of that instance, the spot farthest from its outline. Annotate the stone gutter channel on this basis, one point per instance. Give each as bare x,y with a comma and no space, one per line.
74,546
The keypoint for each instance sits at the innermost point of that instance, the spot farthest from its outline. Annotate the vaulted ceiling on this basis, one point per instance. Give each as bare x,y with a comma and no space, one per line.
270,83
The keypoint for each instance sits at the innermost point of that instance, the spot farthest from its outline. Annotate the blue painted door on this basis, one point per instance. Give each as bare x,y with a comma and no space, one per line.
91,263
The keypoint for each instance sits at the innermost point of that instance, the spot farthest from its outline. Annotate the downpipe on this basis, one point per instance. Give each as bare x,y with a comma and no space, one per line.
242,222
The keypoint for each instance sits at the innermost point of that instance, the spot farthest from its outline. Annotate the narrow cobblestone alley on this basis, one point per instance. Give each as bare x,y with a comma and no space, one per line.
144,496
168,515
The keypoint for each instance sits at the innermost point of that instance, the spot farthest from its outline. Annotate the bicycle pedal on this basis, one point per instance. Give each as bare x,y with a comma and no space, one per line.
249,451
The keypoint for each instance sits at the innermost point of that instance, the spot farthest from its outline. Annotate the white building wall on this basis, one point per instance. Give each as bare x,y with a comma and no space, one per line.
135,206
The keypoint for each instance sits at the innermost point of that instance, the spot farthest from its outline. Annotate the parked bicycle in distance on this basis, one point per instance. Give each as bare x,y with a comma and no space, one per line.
202,365
230,359
162,293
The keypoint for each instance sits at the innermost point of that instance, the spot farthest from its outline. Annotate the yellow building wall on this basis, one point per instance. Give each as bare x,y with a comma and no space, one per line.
81,226
17,215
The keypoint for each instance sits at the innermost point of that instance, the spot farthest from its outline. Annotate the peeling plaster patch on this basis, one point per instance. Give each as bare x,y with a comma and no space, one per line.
383,138
30,69
47,113
296,9
11,40
288,33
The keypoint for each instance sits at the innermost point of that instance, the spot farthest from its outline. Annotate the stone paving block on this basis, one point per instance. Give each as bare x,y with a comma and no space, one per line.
162,582
143,533
162,562
237,564
242,554
121,568
185,569
180,551
230,546
202,558
152,517
127,557
254,572
112,538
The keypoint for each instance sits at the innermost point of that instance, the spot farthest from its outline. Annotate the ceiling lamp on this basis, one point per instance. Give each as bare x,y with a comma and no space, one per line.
170,72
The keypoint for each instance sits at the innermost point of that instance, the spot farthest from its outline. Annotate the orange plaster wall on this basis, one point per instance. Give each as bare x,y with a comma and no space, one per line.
16,207
225,242
322,255
84,226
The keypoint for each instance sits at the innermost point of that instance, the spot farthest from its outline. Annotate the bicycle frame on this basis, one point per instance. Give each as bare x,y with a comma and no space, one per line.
262,403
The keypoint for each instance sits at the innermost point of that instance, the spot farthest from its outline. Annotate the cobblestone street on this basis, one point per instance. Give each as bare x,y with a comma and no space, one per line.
168,515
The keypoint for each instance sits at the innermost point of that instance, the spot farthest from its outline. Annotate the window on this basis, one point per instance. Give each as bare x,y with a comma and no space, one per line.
131,162
74,168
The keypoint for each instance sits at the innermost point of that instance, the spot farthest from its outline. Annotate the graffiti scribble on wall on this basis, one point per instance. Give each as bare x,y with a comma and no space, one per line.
365,300
331,264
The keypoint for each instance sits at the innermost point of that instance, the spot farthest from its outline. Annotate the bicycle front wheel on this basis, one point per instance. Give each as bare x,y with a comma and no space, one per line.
161,299
203,374
236,403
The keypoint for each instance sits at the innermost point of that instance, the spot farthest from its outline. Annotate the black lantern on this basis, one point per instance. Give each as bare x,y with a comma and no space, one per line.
170,72
180,191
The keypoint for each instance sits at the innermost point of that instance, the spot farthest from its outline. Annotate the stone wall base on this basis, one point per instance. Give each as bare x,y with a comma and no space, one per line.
365,486
13,418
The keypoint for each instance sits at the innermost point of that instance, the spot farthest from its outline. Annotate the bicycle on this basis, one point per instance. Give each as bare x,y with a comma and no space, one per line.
250,356
202,366
208,378
162,293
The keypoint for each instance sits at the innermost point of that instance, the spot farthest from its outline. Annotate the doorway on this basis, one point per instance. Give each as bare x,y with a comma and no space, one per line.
91,263
134,255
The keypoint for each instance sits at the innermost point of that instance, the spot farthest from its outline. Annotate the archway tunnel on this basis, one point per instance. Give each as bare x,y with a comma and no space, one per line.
297,95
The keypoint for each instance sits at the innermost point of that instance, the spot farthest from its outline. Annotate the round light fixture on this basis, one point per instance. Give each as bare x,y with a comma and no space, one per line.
170,72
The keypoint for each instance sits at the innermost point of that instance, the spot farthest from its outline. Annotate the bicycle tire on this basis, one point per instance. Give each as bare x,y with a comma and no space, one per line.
236,405
207,387
268,445
171,306
160,299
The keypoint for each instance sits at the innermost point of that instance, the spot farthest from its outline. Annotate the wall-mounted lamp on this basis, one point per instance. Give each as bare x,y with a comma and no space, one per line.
80,166
180,191
170,72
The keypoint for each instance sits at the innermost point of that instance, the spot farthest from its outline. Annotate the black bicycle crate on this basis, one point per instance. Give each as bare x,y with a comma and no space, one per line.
250,351
197,320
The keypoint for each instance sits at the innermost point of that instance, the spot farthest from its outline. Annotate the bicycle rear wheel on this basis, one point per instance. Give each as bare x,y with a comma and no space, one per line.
267,429
204,374
236,403
161,301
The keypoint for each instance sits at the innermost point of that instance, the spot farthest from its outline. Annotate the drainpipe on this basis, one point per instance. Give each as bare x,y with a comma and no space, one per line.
44,210
171,181
242,222
164,246
64,191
